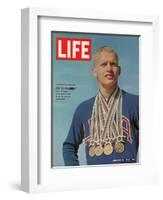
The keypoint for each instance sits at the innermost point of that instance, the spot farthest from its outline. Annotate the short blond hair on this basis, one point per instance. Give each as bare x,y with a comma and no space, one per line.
107,49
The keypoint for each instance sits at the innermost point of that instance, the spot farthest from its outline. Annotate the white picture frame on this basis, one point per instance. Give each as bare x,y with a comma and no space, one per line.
36,171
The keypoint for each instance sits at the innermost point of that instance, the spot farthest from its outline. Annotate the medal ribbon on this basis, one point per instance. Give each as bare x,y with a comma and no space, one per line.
105,127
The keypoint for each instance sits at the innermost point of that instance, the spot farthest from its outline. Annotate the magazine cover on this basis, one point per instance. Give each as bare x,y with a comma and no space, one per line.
95,99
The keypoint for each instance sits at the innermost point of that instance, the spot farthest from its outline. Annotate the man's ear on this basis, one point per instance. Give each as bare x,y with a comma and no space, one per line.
94,71
120,70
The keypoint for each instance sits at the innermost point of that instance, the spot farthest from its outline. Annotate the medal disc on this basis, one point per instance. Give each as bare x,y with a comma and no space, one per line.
92,151
99,150
119,147
108,149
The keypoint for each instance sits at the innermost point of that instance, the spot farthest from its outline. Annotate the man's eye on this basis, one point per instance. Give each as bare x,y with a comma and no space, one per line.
114,65
103,64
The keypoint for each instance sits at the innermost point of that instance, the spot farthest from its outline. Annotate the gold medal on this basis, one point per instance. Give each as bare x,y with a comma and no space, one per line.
92,151
108,149
119,147
107,125
99,150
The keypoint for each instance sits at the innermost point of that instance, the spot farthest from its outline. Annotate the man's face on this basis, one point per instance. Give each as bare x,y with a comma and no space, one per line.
106,69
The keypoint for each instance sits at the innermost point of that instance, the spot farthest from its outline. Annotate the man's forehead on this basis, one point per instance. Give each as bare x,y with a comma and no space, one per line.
104,55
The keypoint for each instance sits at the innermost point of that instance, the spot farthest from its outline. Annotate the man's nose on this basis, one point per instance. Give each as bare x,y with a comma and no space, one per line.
108,67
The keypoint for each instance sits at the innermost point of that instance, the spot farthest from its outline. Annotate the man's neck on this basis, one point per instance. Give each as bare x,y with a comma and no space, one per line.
107,92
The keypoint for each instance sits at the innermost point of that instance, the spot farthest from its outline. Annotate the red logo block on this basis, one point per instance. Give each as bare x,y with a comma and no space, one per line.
73,49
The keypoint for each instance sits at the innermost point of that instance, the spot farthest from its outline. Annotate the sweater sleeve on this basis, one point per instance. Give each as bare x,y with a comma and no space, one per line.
136,113
136,122
73,140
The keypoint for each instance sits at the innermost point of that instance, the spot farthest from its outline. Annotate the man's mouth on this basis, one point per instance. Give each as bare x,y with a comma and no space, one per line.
109,76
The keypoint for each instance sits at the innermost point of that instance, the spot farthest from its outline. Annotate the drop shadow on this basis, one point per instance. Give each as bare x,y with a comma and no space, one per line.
15,186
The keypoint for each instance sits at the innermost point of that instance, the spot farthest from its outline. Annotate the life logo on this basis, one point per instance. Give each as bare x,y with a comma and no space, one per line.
73,49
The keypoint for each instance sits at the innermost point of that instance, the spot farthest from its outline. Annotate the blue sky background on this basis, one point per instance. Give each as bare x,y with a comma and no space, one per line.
79,73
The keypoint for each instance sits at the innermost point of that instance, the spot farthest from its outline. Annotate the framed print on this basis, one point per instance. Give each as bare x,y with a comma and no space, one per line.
72,77
86,94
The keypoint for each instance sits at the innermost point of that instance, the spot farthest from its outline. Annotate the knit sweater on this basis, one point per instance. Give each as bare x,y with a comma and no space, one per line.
80,131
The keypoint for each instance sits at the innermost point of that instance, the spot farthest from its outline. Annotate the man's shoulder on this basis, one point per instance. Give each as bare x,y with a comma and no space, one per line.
130,97
87,103
127,94
84,108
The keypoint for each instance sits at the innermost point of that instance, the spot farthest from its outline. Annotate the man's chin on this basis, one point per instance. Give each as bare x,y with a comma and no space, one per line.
110,83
